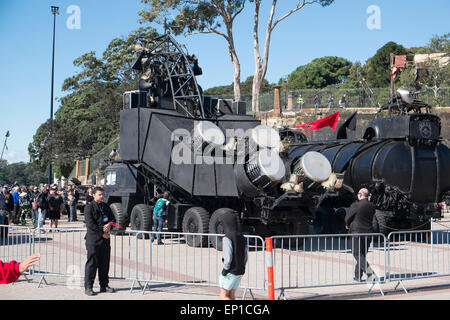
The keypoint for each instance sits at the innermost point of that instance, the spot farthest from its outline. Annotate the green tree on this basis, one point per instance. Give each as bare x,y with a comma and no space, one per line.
189,16
377,68
23,173
262,61
14,173
88,118
438,44
320,73
246,88
35,175
218,17
432,76
356,74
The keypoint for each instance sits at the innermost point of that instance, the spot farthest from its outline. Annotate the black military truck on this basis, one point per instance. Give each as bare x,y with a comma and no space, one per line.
210,156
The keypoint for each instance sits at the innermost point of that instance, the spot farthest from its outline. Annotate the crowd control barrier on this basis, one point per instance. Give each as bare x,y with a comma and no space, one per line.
276,263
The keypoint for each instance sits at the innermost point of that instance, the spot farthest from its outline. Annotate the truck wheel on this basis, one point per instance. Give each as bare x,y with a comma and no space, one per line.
215,227
121,218
141,219
196,220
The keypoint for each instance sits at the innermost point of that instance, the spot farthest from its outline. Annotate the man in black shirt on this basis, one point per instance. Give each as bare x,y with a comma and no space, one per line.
359,220
97,215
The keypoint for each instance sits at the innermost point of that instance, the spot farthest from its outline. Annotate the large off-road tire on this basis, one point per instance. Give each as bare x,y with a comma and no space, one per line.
215,227
122,218
141,218
196,220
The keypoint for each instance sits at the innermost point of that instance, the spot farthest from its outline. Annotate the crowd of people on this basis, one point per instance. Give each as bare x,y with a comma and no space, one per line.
40,202
35,204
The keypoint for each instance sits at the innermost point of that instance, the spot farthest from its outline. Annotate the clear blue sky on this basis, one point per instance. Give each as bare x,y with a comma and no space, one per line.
338,30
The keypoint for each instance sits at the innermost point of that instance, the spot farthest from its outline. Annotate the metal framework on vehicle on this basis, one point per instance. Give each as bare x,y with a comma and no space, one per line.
173,74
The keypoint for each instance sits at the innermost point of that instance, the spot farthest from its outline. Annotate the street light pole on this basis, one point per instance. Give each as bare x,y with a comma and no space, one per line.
55,11
4,146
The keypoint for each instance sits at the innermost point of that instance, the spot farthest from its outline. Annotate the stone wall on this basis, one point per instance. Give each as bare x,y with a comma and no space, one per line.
294,117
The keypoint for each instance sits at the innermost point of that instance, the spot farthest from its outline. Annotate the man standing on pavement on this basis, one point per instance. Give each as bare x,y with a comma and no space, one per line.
97,215
359,220
159,215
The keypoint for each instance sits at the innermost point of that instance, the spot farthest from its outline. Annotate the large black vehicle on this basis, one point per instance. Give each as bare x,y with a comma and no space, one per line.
213,158
210,156
400,159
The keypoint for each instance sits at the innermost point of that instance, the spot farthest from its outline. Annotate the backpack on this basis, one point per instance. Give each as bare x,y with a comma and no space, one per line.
160,207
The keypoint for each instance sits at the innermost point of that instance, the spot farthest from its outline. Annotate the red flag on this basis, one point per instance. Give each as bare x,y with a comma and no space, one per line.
330,121
400,62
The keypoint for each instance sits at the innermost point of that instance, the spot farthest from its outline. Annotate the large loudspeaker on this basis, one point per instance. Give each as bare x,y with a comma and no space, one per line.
134,99
239,107
225,106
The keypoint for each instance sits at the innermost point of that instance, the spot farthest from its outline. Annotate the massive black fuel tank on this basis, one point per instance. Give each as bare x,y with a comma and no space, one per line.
402,173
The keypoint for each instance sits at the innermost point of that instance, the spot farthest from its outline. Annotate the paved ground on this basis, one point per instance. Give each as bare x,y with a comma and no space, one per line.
58,288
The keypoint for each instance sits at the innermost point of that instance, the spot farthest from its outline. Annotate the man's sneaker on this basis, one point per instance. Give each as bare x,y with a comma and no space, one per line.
160,243
89,292
107,289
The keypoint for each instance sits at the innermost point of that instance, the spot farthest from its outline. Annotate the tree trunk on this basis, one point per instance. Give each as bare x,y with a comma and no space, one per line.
261,65
256,88
237,75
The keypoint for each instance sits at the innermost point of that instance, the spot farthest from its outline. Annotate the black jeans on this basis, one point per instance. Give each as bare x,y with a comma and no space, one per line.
98,256
360,247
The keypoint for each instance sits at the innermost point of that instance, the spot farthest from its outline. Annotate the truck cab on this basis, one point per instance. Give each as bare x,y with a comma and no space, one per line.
121,192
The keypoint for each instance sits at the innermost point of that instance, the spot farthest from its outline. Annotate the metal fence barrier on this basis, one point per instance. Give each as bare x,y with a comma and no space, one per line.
63,254
179,263
416,255
15,243
136,258
306,261
302,261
